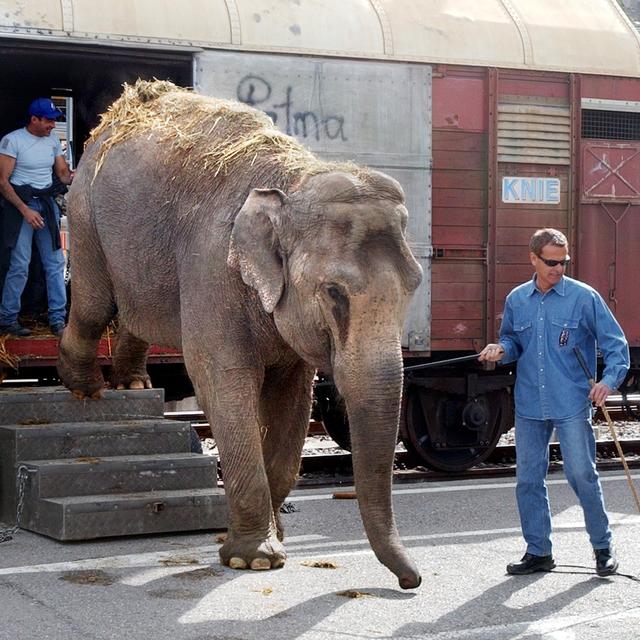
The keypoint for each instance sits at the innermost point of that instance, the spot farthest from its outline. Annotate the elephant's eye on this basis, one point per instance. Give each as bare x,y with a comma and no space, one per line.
335,292
337,304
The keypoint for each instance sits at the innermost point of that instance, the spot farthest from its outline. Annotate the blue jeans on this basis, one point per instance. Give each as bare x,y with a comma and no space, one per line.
578,447
18,272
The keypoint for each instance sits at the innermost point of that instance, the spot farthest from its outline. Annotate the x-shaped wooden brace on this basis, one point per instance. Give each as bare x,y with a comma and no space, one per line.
612,171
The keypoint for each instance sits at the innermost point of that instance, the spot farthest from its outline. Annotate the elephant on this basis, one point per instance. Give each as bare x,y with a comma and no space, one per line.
206,229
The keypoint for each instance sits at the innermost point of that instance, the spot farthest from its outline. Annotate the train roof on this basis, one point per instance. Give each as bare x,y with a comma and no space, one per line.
586,36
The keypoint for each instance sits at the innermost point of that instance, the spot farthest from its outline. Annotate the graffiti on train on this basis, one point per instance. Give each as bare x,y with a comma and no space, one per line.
258,92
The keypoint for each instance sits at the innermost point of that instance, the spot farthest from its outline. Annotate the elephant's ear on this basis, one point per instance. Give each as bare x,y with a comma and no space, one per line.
254,248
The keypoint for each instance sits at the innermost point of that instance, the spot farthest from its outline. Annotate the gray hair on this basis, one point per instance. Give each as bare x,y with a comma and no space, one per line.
542,237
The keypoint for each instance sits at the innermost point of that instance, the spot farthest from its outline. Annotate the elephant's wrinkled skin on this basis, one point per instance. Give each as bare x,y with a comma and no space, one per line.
260,276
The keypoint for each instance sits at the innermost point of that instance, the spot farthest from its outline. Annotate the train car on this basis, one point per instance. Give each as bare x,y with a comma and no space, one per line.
498,117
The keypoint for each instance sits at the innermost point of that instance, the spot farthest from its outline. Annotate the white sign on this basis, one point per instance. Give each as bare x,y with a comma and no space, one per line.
531,190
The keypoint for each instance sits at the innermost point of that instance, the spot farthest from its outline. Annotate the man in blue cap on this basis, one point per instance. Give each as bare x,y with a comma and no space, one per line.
28,159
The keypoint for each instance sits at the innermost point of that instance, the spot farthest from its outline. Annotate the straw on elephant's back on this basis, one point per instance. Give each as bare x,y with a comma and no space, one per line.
211,133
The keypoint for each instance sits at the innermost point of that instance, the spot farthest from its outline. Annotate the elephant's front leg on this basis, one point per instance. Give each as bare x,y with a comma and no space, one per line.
230,400
285,408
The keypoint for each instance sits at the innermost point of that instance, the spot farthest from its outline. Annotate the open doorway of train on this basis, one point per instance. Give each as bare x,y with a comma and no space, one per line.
83,80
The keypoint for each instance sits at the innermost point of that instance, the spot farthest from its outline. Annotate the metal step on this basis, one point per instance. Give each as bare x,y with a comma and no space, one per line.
76,439
100,468
100,516
121,474
46,405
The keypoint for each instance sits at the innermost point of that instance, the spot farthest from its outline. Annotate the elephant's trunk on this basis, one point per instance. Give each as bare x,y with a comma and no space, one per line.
371,384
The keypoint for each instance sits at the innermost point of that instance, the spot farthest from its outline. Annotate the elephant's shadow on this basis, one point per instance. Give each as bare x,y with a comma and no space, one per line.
285,624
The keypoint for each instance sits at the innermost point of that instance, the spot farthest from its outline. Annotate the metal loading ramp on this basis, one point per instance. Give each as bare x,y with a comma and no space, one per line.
102,468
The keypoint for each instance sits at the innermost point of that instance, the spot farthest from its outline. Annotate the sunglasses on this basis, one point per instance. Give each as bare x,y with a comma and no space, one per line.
555,263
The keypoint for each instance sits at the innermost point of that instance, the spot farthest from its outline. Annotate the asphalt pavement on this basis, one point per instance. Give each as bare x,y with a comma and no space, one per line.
461,534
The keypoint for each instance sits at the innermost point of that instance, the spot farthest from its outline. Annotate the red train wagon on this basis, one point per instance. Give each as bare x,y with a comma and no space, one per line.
513,151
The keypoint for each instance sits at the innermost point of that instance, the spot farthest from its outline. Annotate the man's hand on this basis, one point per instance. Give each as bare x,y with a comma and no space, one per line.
491,353
33,218
599,393
61,169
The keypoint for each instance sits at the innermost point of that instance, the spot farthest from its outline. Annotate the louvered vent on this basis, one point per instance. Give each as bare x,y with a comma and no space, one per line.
534,133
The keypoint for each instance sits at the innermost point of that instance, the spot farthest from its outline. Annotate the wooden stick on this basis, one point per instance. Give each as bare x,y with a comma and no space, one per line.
612,429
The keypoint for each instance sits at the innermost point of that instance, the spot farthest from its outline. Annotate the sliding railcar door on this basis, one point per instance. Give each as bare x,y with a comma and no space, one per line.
373,113
609,221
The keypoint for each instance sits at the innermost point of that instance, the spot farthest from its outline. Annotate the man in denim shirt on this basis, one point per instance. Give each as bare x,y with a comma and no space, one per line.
544,319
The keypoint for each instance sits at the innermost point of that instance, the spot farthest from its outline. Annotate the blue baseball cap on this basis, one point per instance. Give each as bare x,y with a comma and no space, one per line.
44,108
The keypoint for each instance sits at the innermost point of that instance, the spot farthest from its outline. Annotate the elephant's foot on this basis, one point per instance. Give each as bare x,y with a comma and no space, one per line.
83,379
131,381
248,553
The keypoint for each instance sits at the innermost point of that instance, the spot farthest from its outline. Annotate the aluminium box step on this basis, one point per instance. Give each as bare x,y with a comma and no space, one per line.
44,405
101,516
76,439
120,474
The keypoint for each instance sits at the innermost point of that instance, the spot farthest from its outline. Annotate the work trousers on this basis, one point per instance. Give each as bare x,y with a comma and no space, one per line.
578,447
18,272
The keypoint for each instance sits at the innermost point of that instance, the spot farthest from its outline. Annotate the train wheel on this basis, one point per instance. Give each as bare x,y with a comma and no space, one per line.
334,415
452,433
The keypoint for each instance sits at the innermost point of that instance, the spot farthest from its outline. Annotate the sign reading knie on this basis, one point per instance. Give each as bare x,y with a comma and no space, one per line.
531,190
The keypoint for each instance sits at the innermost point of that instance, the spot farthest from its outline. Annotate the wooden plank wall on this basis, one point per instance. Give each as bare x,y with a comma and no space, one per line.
460,201
459,208
516,223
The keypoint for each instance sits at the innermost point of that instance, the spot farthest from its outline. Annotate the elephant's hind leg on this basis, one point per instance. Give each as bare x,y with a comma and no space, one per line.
285,409
130,362
92,308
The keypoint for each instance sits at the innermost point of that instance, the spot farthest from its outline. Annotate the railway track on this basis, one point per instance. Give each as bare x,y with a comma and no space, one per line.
333,466
336,468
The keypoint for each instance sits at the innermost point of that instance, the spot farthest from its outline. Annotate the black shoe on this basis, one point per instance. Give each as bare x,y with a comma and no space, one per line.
606,561
14,329
57,329
531,564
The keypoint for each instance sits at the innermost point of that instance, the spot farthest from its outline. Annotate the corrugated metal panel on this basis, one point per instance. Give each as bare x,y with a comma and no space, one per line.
589,36
534,133
341,109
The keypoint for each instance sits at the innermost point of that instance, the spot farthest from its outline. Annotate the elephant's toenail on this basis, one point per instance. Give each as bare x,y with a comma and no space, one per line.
260,564
237,563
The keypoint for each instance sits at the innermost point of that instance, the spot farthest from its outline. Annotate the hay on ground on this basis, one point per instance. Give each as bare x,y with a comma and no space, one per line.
7,359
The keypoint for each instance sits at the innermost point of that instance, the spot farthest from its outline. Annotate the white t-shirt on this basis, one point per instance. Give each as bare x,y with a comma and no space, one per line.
34,157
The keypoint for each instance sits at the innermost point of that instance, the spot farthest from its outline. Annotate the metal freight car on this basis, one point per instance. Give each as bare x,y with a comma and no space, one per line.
498,117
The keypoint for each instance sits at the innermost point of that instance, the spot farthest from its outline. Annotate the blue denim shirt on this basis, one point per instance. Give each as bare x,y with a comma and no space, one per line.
540,331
